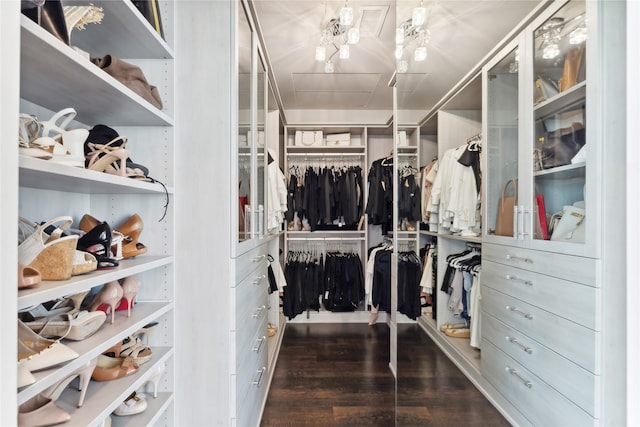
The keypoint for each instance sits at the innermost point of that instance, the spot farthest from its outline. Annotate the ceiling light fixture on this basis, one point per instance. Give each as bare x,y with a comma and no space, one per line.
551,34
412,38
339,34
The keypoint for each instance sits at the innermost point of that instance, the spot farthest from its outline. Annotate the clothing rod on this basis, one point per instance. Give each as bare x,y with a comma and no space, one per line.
325,154
326,239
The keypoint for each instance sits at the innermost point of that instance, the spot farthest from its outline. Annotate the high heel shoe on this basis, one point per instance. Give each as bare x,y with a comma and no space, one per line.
134,404
68,147
109,296
130,288
100,157
84,376
40,411
131,230
112,368
36,352
28,277
131,347
87,223
28,132
145,332
155,378
73,326
98,242
51,255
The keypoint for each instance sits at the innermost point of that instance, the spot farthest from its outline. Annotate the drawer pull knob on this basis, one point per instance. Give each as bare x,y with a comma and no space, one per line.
524,348
515,373
259,341
259,311
259,279
518,258
259,258
517,279
257,379
517,310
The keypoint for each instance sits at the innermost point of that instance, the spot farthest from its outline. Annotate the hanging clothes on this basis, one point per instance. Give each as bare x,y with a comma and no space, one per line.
343,282
277,195
409,269
380,200
325,198
454,204
427,177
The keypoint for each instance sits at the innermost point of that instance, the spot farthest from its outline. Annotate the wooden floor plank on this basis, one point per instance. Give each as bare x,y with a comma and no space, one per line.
338,375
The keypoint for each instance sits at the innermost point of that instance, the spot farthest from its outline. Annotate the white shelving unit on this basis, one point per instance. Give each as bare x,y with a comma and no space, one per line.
53,76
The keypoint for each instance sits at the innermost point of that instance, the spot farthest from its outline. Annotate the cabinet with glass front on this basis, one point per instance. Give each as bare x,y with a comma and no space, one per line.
538,172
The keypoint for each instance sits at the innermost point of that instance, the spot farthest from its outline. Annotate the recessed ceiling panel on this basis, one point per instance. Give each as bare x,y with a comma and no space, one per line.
335,82
329,100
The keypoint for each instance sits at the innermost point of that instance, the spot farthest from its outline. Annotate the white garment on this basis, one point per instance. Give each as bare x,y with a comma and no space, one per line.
282,281
428,177
368,277
474,312
426,281
453,196
276,196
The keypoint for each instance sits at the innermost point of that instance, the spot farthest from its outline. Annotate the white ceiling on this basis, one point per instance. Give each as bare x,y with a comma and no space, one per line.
462,33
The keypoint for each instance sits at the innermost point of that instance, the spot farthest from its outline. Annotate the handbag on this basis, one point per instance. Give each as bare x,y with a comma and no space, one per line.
305,138
131,76
49,15
573,70
560,146
506,204
570,227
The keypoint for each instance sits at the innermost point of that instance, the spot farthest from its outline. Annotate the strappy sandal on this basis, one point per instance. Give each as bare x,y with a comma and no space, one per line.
98,242
68,144
28,132
105,157
131,347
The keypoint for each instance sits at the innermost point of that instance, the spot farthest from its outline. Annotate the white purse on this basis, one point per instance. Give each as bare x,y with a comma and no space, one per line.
306,138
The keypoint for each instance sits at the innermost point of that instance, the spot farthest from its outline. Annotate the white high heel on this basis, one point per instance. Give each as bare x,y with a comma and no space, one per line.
84,376
69,144
155,378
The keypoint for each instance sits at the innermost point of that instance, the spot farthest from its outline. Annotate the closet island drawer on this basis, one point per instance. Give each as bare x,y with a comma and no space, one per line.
248,262
251,387
573,341
576,383
568,267
567,299
252,307
539,402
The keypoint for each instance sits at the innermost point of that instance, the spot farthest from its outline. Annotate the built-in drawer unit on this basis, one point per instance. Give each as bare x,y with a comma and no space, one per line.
576,383
571,300
539,402
572,268
246,263
571,340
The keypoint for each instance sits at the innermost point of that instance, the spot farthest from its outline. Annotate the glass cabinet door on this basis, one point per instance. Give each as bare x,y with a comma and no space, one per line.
261,152
244,58
559,117
501,136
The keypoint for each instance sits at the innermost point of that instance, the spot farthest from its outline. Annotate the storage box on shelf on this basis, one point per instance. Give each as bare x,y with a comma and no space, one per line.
53,77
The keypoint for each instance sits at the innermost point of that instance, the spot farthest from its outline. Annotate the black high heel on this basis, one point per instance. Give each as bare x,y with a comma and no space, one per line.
98,242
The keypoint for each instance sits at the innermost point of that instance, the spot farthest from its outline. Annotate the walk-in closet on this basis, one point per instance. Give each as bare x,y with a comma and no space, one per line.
319,212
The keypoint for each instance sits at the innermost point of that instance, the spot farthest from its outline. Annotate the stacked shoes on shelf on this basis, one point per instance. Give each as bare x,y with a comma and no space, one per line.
41,330
52,250
99,149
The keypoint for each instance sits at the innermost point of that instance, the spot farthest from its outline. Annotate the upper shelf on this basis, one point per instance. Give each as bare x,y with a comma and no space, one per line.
122,23
44,174
63,78
561,100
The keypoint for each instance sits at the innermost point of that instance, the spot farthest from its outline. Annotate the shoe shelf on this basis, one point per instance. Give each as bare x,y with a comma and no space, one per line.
49,290
104,397
573,170
107,336
471,239
561,100
121,24
151,416
58,78
48,175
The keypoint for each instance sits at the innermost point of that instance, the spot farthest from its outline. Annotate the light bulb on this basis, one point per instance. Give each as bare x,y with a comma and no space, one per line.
353,35
399,35
321,53
344,51
403,66
420,54
419,16
578,35
398,52
551,50
328,67
346,16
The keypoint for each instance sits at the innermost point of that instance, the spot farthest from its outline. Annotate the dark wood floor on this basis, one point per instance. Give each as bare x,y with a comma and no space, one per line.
338,375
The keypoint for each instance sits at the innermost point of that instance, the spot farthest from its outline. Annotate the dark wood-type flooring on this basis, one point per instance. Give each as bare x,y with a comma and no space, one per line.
338,375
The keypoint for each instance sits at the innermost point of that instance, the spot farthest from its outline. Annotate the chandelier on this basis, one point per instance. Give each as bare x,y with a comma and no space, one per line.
338,34
412,38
